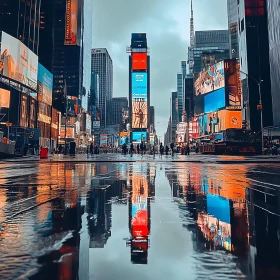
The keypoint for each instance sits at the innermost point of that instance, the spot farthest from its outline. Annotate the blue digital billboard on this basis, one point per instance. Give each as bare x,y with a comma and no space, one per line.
215,101
45,85
138,137
218,207
124,140
139,85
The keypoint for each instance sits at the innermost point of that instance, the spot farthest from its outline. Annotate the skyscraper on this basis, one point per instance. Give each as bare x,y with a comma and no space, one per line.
274,57
174,115
102,64
233,28
21,19
255,63
139,86
69,40
190,49
210,47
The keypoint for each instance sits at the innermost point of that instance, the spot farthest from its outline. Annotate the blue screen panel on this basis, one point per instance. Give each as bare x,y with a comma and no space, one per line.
218,207
136,136
215,101
139,85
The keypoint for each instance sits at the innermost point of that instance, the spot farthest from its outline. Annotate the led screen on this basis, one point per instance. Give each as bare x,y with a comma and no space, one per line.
17,62
139,113
103,140
139,61
139,85
71,22
233,82
45,85
211,79
4,98
218,207
124,140
138,137
214,101
139,213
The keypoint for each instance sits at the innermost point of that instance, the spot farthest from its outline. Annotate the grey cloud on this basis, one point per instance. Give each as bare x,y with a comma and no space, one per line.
115,20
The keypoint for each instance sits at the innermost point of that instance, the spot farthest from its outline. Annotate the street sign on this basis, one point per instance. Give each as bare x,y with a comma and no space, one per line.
8,124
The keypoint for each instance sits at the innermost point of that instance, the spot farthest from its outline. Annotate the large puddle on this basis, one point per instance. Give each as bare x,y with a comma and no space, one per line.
139,221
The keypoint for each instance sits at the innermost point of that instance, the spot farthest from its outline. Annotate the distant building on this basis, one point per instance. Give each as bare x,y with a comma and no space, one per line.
152,119
189,96
210,47
174,115
102,64
118,105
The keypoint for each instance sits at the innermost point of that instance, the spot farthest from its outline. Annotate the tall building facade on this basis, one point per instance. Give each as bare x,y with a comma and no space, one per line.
102,64
273,11
21,19
189,96
174,115
232,7
210,47
118,105
139,87
255,62
66,48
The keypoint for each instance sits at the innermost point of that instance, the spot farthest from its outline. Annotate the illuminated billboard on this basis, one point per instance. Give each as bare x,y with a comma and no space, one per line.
222,120
4,98
45,85
215,101
139,61
139,85
211,79
139,211
70,132
17,62
71,22
139,113
138,137
233,82
103,140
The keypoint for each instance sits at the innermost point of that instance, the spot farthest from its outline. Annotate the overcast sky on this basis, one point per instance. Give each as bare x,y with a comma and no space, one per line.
167,26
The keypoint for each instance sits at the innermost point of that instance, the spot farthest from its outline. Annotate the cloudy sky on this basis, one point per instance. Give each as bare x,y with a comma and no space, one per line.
167,26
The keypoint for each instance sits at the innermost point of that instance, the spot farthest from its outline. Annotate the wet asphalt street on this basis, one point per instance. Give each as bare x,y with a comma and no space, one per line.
139,220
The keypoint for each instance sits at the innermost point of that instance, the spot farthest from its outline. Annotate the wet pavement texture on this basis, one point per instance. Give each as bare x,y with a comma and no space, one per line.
139,220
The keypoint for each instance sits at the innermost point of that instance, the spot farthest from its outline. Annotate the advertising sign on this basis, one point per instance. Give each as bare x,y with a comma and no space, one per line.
95,124
152,139
125,115
32,110
70,132
139,61
138,137
233,82
17,62
4,98
139,114
215,101
222,120
45,85
211,79
139,85
71,22
139,218
23,119
103,140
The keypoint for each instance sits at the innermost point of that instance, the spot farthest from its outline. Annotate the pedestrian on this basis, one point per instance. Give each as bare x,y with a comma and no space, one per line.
138,149
166,150
182,150
188,150
172,148
161,149
141,148
91,149
131,149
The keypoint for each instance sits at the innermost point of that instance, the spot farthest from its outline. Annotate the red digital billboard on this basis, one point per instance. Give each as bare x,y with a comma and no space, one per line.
139,61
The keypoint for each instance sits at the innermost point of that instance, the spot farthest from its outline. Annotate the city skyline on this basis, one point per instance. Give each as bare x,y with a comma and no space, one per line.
172,25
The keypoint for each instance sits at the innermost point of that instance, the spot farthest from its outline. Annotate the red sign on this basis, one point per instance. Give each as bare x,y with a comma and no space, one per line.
139,61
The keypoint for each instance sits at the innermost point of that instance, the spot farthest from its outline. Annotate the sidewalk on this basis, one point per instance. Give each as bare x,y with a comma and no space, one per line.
195,158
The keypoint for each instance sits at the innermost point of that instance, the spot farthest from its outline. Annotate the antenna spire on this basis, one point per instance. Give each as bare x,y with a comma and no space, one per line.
191,27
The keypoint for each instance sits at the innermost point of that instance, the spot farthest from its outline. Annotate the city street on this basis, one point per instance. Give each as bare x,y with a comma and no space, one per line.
144,219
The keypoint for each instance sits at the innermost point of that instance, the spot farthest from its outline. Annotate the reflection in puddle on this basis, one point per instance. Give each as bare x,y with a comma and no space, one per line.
106,221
